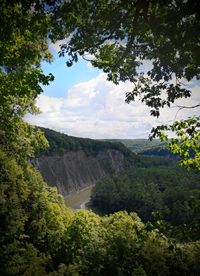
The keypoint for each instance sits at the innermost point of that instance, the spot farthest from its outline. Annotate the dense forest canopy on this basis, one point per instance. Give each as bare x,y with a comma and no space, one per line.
38,234
139,145
149,188
60,143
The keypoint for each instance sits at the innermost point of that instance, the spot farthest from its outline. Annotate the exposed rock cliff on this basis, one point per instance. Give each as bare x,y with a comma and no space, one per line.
73,171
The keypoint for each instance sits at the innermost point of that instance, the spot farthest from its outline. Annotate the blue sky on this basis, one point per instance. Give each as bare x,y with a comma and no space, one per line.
81,102
66,77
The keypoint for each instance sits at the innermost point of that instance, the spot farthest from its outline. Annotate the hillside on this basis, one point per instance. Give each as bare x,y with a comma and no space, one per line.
139,145
60,143
72,163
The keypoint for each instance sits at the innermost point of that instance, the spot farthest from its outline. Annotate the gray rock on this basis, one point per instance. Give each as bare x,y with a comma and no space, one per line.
74,171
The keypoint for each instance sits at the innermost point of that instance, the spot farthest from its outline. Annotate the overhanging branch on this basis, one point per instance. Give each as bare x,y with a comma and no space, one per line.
187,107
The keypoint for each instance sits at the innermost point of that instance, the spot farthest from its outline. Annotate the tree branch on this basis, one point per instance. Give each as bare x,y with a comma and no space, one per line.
185,107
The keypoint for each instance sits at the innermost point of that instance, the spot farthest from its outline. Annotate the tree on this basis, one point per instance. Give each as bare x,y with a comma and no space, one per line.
122,35
24,31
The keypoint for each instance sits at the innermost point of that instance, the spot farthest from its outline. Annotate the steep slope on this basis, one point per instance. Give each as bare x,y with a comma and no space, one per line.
73,171
72,164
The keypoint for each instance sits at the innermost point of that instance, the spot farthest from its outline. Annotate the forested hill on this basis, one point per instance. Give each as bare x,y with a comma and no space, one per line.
60,143
140,145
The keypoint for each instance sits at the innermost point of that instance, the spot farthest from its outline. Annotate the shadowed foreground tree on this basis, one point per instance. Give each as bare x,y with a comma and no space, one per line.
122,35
24,27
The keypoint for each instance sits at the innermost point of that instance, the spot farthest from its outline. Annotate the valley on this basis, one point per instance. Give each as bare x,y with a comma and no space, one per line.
72,164
145,182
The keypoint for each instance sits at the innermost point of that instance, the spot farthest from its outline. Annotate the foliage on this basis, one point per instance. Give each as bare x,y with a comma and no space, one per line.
23,46
123,35
187,143
33,219
139,145
60,143
168,190
38,234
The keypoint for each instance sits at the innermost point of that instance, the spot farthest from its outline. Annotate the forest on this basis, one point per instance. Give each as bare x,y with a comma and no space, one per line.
157,189
39,235
60,142
140,145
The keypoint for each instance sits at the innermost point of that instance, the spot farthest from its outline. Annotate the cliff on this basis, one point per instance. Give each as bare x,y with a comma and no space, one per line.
75,170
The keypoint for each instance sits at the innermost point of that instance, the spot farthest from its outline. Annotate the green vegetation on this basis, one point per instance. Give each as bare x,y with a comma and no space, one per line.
60,143
122,36
152,187
140,145
38,234
33,220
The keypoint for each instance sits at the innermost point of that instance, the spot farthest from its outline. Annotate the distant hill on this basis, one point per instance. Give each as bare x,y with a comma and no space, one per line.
141,145
59,143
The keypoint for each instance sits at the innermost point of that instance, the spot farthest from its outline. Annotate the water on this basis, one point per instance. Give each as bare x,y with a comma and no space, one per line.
79,199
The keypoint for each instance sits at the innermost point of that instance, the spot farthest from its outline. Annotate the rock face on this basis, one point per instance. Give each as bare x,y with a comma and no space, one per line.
74,171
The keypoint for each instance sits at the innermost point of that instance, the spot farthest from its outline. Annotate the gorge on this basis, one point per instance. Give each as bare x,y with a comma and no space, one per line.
72,164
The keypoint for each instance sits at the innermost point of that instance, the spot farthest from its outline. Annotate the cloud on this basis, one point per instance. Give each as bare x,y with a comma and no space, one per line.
49,104
56,46
96,109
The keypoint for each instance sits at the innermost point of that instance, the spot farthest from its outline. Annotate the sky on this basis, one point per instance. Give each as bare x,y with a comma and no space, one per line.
81,102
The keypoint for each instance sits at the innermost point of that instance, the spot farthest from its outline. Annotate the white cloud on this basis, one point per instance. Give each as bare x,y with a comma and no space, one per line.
56,45
80,94
96,109
49,104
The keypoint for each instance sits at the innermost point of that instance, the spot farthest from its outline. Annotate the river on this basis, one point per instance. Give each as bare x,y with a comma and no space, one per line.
79,199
